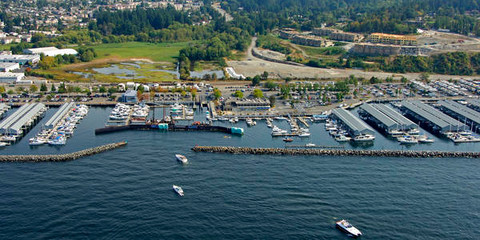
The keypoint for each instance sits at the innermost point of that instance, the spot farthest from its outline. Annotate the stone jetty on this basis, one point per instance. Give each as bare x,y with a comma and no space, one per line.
61,157
336,152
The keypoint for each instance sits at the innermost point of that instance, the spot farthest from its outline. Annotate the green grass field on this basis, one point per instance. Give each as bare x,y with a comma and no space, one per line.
163,52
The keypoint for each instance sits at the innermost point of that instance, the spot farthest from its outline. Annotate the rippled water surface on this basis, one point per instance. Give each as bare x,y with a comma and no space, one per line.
127,193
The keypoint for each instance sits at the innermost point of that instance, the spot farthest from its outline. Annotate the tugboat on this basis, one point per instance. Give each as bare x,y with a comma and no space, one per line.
178,190
345,226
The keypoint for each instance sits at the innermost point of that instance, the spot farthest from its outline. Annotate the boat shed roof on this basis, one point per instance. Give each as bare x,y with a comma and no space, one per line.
53,121
395,116
28,116
432,115
461,110
5,124
356,126
379,116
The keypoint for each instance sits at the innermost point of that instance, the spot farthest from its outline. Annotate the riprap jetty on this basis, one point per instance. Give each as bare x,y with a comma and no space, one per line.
61,157
335,152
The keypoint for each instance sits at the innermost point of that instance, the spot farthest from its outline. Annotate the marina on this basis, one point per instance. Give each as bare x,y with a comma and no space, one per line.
431,117
387,119
360,131
60,126
21,121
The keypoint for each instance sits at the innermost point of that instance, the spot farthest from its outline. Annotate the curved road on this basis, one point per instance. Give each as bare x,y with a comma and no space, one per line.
252,66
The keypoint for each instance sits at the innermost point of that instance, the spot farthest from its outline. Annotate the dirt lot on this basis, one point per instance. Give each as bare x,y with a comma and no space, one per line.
252,66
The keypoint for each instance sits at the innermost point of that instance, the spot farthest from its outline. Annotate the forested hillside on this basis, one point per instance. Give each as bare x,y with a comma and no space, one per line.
366,16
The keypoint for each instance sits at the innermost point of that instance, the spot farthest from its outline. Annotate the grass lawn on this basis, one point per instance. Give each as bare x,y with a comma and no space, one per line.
160,52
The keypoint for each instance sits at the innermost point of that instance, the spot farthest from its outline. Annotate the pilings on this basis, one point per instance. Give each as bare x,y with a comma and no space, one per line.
61,157
336,152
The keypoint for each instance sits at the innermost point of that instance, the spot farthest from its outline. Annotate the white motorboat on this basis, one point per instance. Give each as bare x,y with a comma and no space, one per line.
406,139
425,139
178,190
3,144
181,158
342,138
310,145
304,134
36,141
364,138
345,226
59,140
413,131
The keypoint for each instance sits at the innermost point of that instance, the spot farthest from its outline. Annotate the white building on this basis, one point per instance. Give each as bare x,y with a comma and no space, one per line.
51,51
8,67
11,77
20,59
231,72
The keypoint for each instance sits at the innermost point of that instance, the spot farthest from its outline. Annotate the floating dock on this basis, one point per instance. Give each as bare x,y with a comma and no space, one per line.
464,113
59,115
432,117
386,117
22,119
353,124
170,127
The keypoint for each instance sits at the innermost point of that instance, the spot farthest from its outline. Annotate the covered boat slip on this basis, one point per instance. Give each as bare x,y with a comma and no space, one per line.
460,111
355,125
386,117
59,115
3,109
435,118
22,118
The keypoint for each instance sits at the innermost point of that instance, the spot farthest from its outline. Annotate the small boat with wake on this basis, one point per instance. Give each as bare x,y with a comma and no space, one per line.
181,158
178,190
345,226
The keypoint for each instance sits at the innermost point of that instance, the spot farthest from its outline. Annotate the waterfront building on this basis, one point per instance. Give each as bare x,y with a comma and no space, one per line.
130,96
431,117
354,125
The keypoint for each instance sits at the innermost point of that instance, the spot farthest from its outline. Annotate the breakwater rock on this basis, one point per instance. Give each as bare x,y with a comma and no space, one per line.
61,157
336,152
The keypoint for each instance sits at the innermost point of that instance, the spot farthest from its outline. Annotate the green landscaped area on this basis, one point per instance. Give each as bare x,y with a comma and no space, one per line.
159,52
150,56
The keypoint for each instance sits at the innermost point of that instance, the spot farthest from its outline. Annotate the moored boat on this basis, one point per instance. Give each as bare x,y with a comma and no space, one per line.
345,226
288,139
364,138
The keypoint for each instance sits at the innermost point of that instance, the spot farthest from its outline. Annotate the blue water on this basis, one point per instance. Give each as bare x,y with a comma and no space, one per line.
126,193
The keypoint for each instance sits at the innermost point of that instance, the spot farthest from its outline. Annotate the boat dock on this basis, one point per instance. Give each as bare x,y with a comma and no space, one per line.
433,118
312,146
386,118
354,125
170,127
59,115
17,124
462,112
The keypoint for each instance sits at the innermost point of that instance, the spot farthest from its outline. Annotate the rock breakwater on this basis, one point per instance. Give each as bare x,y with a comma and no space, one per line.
61,157
336,152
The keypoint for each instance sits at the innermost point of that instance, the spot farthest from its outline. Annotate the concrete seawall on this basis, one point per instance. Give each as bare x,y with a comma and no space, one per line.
336,152
61,157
